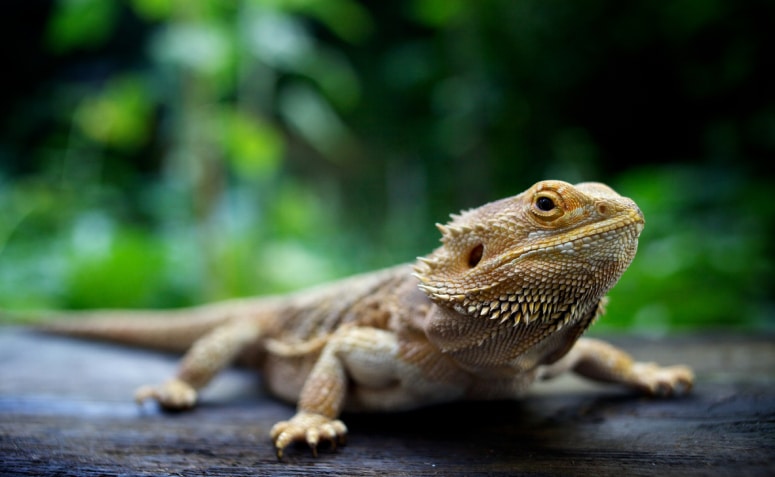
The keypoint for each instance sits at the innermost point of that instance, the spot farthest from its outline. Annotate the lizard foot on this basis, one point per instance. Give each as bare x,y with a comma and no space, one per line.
174,395
663,381
310,428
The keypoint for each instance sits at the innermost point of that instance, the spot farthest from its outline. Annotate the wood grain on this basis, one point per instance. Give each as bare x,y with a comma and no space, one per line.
66,409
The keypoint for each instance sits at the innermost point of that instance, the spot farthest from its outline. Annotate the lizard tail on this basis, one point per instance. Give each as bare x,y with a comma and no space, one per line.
164,330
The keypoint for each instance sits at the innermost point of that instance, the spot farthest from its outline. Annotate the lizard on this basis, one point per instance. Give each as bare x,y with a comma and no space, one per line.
501,303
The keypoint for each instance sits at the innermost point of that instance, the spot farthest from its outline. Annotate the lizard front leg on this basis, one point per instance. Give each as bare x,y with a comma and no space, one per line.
600,361
206,357
325,390
360,366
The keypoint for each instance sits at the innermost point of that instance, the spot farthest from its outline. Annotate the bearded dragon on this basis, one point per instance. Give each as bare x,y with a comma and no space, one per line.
501,303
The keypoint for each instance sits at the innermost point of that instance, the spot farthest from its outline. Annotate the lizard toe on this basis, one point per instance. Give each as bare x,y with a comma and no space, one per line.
174,395
310,428
664,381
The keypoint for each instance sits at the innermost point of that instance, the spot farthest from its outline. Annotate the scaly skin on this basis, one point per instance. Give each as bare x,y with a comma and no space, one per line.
502,302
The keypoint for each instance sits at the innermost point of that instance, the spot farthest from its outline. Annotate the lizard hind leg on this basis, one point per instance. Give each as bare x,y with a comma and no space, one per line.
206,357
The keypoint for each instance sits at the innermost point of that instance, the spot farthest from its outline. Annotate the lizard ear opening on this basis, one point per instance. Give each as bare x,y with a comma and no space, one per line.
475,255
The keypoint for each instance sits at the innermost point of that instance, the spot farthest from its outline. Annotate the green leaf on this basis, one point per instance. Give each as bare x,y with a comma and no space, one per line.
204,46
80,24
120,116
126,272
153,9
253,147
438,13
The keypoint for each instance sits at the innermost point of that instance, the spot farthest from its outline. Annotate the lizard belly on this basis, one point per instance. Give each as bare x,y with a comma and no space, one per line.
395,387
379,379
285,376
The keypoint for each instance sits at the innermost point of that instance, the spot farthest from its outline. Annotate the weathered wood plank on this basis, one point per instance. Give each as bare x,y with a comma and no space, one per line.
65,409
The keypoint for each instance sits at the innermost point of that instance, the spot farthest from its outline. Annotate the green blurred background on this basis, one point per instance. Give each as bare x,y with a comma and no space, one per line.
162,153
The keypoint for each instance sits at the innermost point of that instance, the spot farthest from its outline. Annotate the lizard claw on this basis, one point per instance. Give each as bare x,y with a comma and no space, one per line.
310,428
663,381
174,395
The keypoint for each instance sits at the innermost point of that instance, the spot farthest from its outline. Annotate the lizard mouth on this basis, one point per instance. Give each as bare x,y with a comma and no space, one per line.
585,238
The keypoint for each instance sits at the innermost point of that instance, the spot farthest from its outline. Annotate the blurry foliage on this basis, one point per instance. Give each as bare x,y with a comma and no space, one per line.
703,258
160,153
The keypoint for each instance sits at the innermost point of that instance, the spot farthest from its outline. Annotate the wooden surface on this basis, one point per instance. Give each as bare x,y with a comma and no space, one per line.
66,409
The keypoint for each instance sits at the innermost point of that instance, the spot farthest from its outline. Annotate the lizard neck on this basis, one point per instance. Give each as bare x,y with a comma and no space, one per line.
484,346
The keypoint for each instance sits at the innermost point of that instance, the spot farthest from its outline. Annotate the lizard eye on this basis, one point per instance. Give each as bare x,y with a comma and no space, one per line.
548,205
475,256
545,204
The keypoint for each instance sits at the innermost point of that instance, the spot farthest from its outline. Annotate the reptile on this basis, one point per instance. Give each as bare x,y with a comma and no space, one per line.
501,303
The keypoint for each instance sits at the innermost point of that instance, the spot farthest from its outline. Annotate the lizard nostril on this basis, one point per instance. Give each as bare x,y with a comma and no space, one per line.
602,208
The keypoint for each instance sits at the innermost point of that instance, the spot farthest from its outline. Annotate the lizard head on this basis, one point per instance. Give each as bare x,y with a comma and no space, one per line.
537,261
